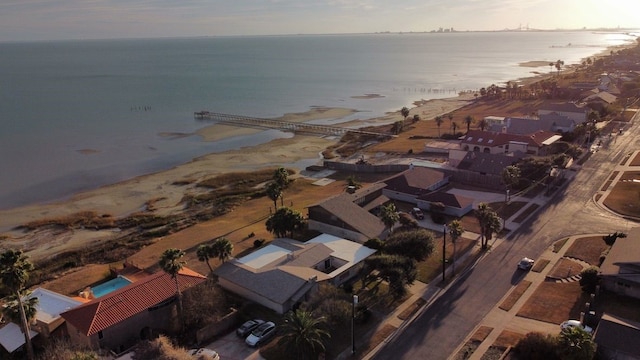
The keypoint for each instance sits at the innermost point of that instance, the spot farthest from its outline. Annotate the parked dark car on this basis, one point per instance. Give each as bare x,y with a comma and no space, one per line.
245,329
417,213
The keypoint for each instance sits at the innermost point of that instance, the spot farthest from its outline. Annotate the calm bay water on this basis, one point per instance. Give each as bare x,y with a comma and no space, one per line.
116,97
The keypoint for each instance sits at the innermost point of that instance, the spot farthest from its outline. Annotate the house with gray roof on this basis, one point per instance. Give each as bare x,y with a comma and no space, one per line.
350,215
617,338
410,184
286,272
454,205
568,109
620,270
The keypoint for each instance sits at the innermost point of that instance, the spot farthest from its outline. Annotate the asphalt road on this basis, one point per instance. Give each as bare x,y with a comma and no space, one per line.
439,330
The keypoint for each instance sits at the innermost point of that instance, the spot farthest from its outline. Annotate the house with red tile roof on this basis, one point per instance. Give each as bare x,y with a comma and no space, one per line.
503,143
121,318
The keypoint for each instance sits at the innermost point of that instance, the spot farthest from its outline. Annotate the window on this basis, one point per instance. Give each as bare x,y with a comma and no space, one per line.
100,335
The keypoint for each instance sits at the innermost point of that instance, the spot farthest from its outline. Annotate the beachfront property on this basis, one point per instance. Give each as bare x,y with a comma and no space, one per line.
120,318
503,143
525,126
351,215
286,272
47,322
572,111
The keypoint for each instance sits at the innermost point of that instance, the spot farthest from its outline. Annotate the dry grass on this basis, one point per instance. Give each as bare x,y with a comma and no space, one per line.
554,302
429,269
635,161
412,309
559,244
540,265
587,249
76,280
624,196
507,338
565,268
481,333
515,295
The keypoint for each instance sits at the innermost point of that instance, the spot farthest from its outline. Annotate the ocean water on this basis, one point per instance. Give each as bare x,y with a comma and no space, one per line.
75,115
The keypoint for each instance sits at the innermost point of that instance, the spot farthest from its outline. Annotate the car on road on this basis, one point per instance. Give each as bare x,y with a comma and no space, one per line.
575,323
261,334
204,353
525,263
245,329
417,213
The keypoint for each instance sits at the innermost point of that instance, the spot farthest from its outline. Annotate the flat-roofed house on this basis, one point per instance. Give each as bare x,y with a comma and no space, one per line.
620,270
286,272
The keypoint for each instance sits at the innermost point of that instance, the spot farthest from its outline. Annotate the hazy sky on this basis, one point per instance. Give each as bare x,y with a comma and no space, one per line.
94,19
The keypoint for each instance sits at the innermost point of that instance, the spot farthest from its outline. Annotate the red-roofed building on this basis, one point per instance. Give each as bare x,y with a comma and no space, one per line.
503,143
121,318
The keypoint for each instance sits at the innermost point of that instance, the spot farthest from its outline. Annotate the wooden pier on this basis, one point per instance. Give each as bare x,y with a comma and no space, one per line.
259,123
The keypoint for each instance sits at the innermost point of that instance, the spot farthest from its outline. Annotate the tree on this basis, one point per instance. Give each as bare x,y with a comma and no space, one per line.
14,272
559,65
455,231
389,216
352,182
468,120
489,223
223,248
414,244
304,336
454,127
404,112
281,178
416,118
274,192
483,124
285,221
171,263
12,311
611,238
589,279
450,117
399,271
205,252
574,343
537,346
439,120
510,176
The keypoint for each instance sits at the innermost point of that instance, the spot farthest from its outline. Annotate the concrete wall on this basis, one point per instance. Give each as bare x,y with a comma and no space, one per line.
221,326
365,168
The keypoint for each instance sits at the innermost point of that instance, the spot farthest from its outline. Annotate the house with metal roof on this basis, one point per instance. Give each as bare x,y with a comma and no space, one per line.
121,318
286,272
350,215
46,321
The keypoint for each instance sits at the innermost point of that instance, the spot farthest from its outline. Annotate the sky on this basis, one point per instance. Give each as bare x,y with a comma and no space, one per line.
30,20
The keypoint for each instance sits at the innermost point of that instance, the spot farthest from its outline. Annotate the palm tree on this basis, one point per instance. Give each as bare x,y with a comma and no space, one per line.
274,192
14,272
171,263
439,122
489,223
416,118
468,120
12,311
223,249
454,127
205,252
455,231
575,343
450,116
483,124
304,336
389,216
559,65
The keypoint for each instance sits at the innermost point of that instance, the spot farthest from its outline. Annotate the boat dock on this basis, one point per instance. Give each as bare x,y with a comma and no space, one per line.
259,123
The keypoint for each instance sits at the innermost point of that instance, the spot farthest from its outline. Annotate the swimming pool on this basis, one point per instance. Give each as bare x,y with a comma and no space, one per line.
110,286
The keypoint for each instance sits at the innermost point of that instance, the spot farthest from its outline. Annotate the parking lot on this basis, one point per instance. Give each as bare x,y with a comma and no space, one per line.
232,347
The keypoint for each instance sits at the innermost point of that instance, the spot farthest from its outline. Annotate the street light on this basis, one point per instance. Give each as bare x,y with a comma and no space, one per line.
353,327
444,255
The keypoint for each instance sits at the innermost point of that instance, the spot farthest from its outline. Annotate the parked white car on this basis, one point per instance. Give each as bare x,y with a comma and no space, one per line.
261,334
575,323
204,353
526,263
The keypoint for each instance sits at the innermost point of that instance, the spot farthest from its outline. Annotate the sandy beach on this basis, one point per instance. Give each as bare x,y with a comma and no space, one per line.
129,196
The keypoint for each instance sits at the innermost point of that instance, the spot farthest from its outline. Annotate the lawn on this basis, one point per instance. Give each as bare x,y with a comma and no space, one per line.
540,265
472,344
565,268
515,295
587,249
432,266
624,196
559,244
555,302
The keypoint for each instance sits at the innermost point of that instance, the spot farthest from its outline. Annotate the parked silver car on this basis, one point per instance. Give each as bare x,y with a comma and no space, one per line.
261,334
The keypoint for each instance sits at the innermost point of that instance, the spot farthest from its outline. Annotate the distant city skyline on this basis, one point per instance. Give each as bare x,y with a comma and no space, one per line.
31,20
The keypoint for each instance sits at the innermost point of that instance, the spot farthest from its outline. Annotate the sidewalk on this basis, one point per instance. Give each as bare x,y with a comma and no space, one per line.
430,292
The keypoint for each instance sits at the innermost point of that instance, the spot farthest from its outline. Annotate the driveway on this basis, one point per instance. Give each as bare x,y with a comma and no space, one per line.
232,347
